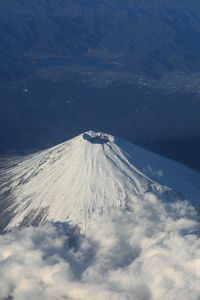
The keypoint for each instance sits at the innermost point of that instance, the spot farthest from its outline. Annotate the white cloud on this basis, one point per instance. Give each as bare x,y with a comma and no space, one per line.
149,251
151,171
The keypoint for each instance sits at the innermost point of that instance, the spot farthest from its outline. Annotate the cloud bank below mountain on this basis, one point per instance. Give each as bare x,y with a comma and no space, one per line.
150,250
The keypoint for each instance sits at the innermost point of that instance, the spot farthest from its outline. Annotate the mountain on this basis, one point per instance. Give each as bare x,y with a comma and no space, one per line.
88,174
145,36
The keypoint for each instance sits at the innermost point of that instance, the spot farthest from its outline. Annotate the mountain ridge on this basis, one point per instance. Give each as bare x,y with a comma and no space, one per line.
149,37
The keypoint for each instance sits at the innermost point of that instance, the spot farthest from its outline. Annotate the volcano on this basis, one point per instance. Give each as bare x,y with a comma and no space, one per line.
88,174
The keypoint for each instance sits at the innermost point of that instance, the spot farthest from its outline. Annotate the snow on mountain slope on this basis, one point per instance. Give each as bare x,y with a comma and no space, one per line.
87,174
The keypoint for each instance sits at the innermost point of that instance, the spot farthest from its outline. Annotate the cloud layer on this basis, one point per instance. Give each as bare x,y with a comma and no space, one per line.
150,250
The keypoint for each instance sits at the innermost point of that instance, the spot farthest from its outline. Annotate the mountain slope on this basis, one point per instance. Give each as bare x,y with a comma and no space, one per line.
88,174
144,36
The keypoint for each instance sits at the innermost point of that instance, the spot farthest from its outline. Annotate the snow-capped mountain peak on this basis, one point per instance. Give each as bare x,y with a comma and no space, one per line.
87,174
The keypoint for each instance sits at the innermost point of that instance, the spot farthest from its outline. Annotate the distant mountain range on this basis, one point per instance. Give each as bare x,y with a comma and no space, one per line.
146,36
127,67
